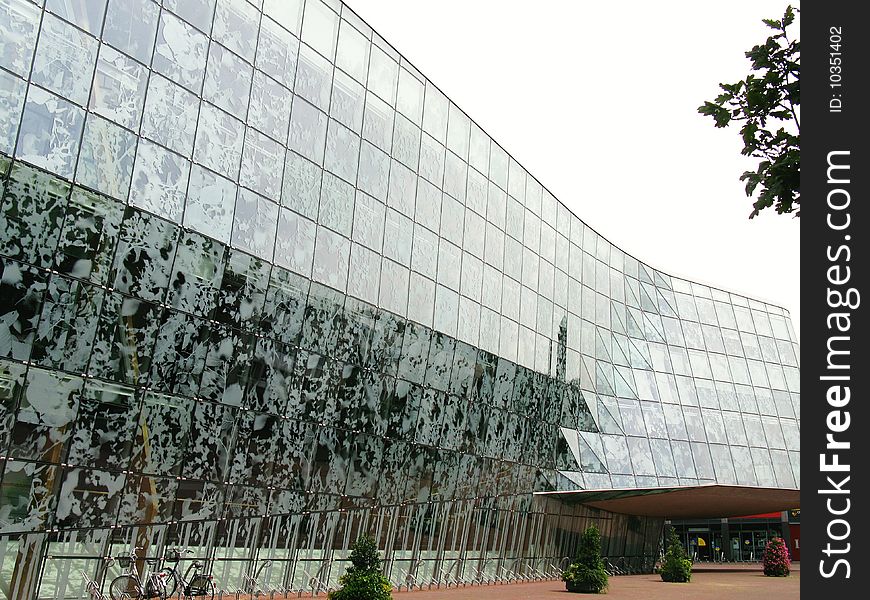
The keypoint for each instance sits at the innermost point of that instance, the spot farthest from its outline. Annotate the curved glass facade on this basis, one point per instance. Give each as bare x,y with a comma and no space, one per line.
264,288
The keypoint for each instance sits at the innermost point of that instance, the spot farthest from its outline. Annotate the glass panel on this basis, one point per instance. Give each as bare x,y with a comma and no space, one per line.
364,275
353,52
130,27
106,160
170,115
401,194
432,157
331,255
307,131
277,50
374,171
65,59
242,292
435,113
397,237
22,288
301,187
179,353
18,31
254,224
32,207
126,332
119,88
294,246
161,440
27,496
12,92
286,299
458,132
342,151
270,107
210,202
144,257
227,81
320,28
235,26
67,325
196,274
383,75
227,366
271,374
219,141
262,162
103,433
90,231
378,122
409,99
198,13
180,52
45,416
314,78
159,181
394,287
50,132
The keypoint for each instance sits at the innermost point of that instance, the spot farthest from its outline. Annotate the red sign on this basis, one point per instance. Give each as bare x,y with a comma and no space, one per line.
773,515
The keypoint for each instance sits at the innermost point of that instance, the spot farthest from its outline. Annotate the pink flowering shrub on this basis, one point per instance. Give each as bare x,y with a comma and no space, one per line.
776,562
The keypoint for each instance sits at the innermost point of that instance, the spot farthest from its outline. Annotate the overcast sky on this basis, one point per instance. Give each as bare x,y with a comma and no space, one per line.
598,100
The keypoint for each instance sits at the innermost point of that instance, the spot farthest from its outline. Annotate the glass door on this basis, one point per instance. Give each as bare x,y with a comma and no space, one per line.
747,547
704,547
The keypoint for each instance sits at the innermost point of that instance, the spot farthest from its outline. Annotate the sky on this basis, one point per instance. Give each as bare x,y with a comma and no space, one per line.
598,100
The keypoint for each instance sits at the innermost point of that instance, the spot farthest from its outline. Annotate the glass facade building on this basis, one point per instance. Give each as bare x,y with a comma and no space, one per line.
265,288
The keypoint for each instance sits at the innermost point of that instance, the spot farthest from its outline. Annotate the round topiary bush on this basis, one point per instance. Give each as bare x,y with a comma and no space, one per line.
586,574
364,579
776,561
676,568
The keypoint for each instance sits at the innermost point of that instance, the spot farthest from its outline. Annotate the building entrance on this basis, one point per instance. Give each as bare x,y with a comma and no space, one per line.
700,548
747,546
737,540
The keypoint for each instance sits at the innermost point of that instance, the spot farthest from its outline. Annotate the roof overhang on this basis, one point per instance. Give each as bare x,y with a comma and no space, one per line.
708,501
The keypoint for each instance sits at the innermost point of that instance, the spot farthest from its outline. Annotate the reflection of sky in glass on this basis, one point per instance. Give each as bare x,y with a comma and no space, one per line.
293,276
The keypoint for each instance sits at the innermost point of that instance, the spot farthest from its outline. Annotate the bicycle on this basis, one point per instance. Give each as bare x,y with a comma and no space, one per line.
129,585
194,582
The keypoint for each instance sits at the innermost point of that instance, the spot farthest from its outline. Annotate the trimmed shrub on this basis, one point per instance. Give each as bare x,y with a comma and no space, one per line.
586,574
364,579
676,568
776,561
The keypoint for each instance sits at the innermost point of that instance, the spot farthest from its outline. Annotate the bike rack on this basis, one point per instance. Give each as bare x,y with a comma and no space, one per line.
316,583
480,577
412,574
447,572
518,571
408,580
511,576
91,588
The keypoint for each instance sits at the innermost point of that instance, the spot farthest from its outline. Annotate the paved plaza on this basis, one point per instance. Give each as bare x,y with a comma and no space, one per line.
708,583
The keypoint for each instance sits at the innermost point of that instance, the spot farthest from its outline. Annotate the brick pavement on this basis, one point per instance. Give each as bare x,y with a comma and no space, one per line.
709,583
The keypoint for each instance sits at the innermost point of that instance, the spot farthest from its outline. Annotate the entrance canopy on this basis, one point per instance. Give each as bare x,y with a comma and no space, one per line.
685,502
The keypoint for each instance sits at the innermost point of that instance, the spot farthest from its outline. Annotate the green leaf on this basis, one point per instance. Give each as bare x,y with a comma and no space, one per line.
763,100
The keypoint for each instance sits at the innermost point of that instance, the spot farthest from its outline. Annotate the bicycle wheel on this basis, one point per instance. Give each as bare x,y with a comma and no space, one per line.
170,582
125,587
201,586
